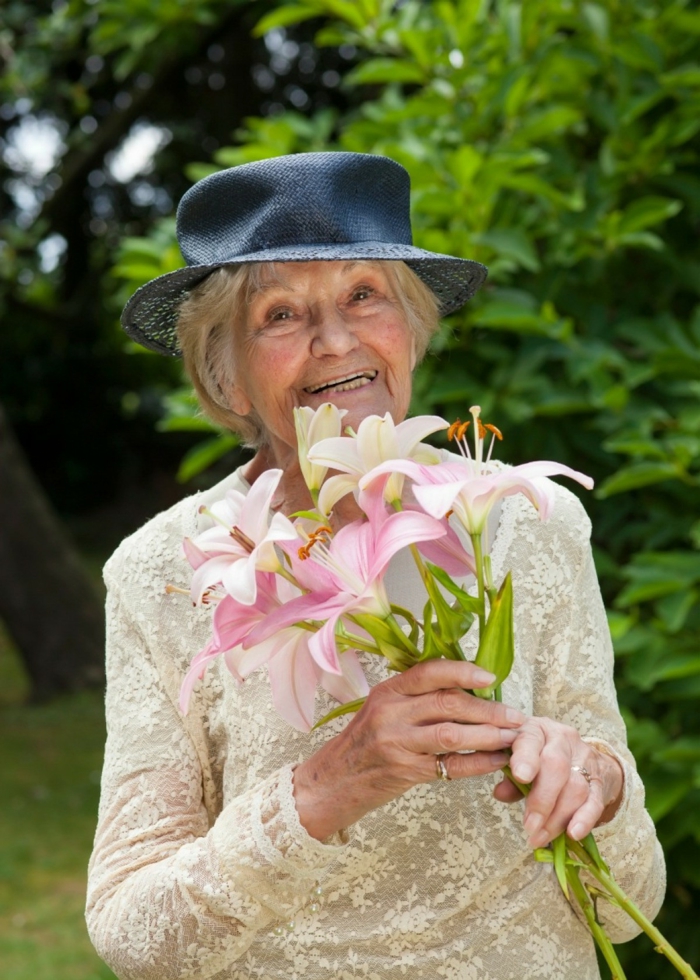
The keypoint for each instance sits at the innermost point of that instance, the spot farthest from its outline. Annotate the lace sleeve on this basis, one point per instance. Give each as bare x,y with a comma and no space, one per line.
173,892
577,689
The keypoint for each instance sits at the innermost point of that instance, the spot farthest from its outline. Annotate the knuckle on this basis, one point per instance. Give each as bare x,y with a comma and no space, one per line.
446,702
553,759
447,736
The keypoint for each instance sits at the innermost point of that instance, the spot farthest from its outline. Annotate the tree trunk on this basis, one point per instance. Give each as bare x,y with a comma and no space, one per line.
47,601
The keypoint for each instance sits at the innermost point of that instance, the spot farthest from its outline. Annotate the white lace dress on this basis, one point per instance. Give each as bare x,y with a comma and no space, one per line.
199,854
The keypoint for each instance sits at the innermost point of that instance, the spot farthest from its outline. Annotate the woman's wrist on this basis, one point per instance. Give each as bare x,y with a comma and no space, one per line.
322,812
613,783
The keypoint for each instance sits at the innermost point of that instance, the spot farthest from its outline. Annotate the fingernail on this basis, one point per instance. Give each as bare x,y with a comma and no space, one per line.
481,676
508,735
515,716
523,773
577,831
498,758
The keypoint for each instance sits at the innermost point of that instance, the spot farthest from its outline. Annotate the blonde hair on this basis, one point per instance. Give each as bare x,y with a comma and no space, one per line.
210,312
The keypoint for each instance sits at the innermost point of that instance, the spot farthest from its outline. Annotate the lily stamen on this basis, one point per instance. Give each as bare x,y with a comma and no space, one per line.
176,590
453,430
495,434
242,539
315,537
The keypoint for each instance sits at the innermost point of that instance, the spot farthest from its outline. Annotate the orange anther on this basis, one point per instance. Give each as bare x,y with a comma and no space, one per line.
482,429
462,430
496,431
453,429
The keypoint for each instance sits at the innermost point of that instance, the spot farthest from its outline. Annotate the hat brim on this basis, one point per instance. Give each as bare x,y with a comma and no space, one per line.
150,316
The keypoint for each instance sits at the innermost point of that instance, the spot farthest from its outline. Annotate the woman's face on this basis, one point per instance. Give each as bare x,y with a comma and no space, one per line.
322,332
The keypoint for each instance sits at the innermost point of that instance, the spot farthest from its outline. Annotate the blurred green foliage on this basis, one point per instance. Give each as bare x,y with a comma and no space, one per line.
558,143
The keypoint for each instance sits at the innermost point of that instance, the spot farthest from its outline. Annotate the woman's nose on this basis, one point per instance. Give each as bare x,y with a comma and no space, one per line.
333,335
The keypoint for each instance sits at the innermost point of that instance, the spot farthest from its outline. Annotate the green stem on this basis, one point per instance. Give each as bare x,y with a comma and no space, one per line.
420,565
290,578
491,590
608,883
357,643
661,944
597,931
479,563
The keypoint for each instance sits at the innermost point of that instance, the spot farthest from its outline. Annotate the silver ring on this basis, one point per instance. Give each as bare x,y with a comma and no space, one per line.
584,772
441,769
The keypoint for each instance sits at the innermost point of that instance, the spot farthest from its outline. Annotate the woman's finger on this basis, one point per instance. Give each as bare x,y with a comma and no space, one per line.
553,776
451,704
587,816
527,748
448,736
435,674
471,764
573,797
506,792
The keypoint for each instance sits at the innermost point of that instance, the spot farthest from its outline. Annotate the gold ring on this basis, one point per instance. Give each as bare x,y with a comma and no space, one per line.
584,772
441,769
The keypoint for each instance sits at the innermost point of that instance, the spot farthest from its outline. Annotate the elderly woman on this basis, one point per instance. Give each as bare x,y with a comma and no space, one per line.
230,845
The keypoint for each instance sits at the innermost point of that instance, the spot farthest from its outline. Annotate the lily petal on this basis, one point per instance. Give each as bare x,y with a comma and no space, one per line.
349,685
293,678
333,489
412,431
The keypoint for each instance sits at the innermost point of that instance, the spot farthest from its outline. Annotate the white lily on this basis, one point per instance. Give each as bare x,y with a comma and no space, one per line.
378,440
312,427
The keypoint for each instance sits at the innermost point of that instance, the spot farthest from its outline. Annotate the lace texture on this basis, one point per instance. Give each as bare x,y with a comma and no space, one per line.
199,852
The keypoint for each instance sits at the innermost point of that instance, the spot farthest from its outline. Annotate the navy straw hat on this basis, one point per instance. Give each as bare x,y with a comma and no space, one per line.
300,208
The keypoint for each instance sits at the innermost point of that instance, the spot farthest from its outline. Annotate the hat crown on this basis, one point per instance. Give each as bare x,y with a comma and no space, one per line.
303,199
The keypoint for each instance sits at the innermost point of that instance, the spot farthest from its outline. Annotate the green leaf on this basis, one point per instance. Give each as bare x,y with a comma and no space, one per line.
665,790
203,455
311,515
284,16
343,709
185,423
591,847
674,609
383,70
514,244
497,645
468,602
685,750
637,475
647,211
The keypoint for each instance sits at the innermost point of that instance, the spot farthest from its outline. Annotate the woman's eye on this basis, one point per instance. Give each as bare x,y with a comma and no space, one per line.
362,292
280,313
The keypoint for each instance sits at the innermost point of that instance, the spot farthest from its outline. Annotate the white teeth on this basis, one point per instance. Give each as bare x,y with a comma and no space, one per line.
345,384
359,383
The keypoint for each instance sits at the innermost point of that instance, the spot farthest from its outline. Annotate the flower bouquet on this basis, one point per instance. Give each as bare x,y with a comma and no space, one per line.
303,600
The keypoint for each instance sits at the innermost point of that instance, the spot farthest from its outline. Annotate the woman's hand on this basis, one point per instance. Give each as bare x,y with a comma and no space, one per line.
391,744
546,754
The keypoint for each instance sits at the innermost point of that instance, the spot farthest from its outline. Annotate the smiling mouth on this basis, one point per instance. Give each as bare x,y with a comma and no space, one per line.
348,383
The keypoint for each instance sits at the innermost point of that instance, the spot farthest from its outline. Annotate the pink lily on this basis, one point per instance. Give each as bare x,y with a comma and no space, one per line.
470,487
293,673
241,542
378,440
346,576
446,487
